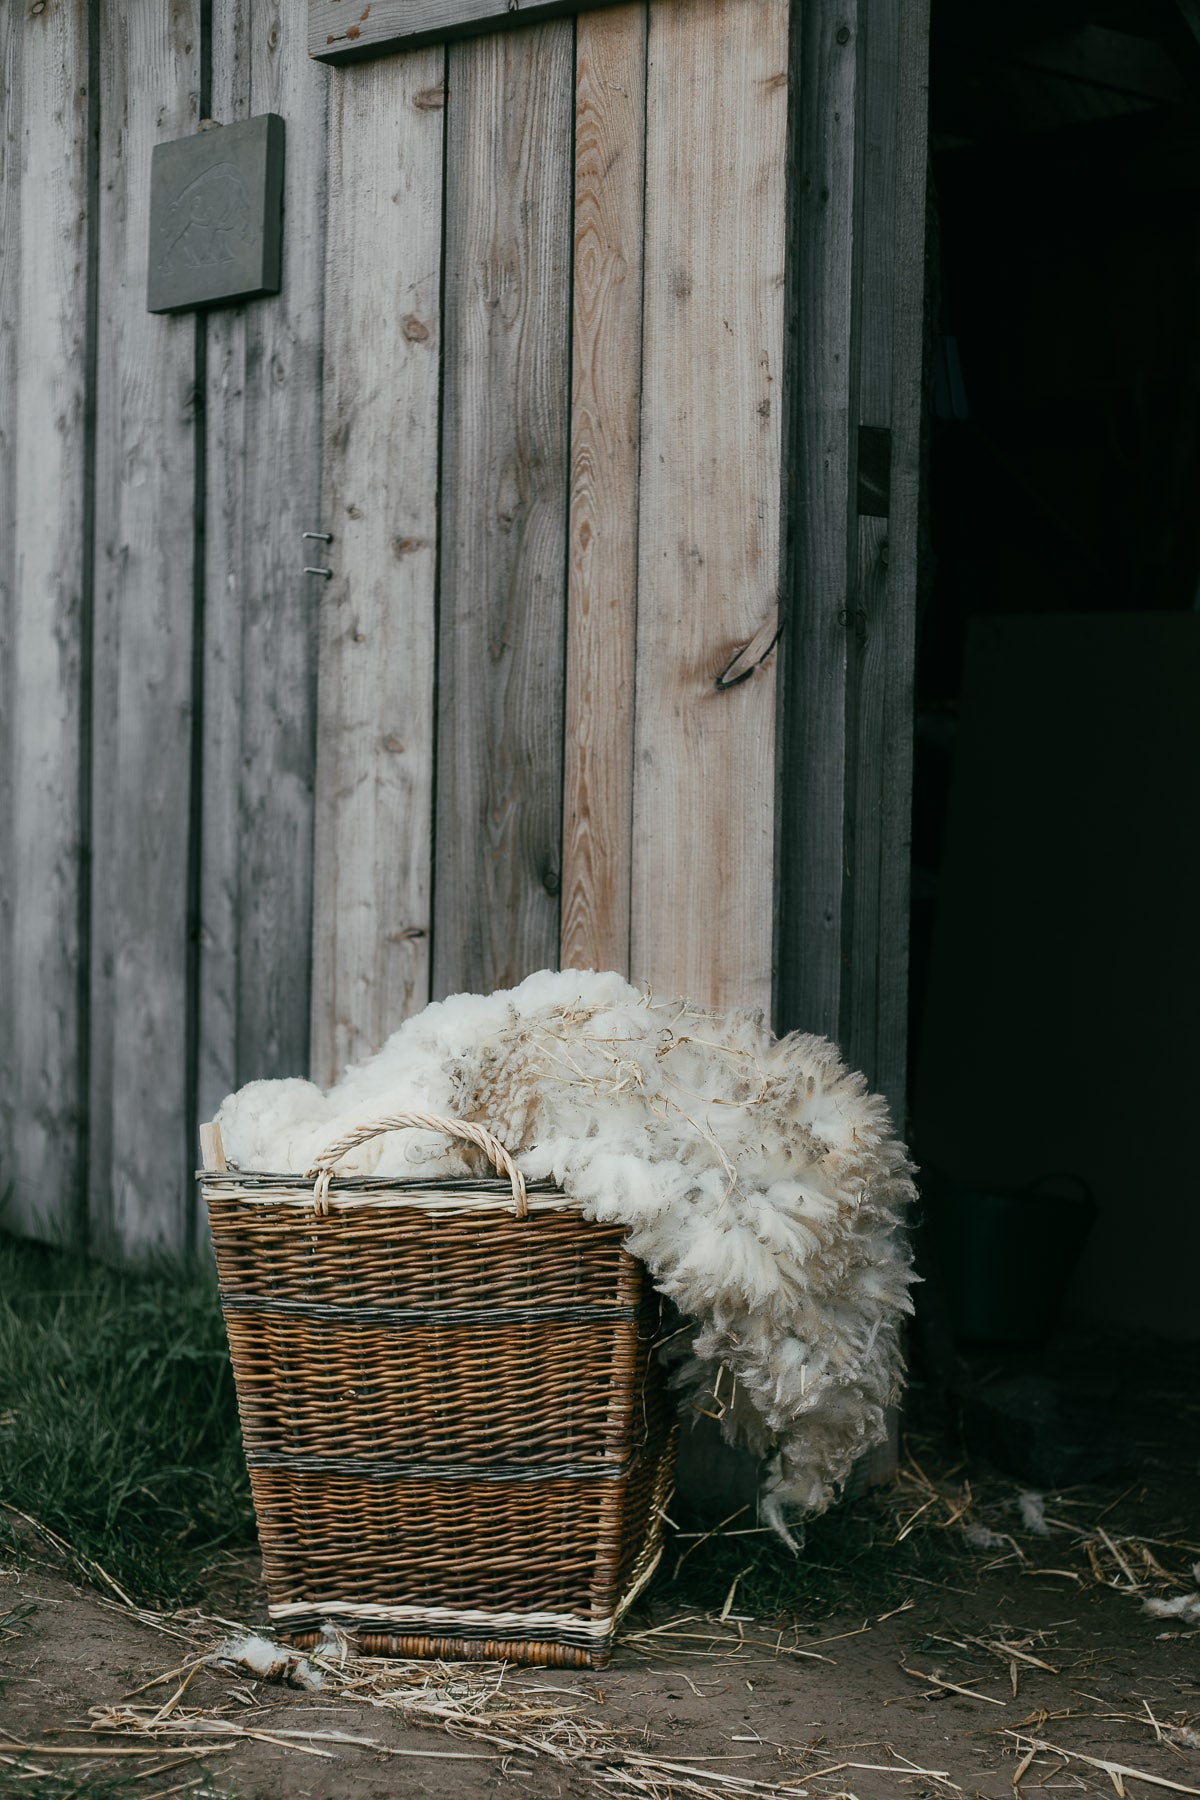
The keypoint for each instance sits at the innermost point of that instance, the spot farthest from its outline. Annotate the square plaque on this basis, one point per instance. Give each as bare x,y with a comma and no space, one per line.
216,216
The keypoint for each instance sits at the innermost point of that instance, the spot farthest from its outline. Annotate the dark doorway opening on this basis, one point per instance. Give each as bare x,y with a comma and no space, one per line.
1056,904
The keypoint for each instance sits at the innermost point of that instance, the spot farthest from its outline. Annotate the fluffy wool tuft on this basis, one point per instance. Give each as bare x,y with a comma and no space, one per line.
258,1656
756,1177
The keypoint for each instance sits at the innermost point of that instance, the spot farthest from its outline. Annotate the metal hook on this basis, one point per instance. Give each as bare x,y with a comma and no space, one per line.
324,537
327,573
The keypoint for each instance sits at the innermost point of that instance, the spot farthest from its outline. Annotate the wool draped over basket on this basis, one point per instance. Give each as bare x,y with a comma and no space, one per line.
459,1439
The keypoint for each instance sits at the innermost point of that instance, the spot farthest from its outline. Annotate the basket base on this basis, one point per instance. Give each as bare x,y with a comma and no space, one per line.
457,1649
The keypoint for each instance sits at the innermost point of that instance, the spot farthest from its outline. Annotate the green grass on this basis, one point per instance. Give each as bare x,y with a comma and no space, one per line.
118,1426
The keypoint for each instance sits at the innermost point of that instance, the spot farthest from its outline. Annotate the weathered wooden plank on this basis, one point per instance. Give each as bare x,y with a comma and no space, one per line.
263,491
610,173
889,291
820,458
704,797
140,1188
374,802
46,627
896,746
868,647
506,412
341,31
11,34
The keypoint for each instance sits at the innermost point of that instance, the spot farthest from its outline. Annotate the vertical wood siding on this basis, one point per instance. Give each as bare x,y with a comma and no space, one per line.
504,506
263,482
146,405
821,448
893,747
374,823
43,398
606,368
858,222
874,616
10,596
704,781
578,329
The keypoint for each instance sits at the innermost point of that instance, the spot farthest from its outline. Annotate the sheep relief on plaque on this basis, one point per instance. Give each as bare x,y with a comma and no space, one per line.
216,216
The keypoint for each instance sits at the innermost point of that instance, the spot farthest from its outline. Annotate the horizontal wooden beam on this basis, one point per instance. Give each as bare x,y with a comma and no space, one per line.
342,31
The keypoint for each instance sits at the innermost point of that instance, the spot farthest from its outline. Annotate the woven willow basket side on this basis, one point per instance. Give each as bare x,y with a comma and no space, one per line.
458,1436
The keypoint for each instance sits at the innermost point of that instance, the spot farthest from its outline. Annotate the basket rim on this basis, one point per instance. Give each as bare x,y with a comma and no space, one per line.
488,1184
379,1193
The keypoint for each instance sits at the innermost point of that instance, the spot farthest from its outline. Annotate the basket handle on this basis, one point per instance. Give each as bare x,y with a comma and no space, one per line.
497,1155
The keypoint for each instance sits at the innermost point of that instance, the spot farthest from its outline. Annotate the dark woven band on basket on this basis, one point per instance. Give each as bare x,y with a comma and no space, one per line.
244,1182
372,1470
425,1315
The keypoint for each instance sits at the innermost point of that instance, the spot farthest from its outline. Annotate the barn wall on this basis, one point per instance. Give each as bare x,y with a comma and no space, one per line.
578,326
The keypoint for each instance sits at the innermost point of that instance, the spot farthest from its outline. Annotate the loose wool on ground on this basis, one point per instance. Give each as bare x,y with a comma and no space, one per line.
757,1179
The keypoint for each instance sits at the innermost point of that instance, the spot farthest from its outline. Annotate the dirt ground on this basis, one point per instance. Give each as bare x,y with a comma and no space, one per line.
767,1717
1031,1640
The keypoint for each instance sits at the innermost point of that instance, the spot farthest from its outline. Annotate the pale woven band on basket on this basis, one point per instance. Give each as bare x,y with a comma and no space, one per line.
458,1436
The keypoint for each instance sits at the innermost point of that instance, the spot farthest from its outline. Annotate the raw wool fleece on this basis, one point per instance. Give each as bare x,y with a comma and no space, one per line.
757,1179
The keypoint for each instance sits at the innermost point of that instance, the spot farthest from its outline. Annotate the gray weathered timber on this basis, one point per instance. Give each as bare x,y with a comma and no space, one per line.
11,33
341,31
263,490
43,321
709,549
140,1188
894,746
610,137
869,607
820,459
506,412
374,803
881,641
848,769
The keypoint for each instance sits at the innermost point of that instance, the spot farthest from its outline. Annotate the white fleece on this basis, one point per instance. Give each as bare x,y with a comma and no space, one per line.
757,1179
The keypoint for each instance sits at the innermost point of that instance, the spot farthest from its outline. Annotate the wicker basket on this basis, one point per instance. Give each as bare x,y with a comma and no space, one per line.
458,1437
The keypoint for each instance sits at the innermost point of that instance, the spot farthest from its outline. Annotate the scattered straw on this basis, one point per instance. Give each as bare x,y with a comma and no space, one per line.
952,1687
495,1713
1117,1772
